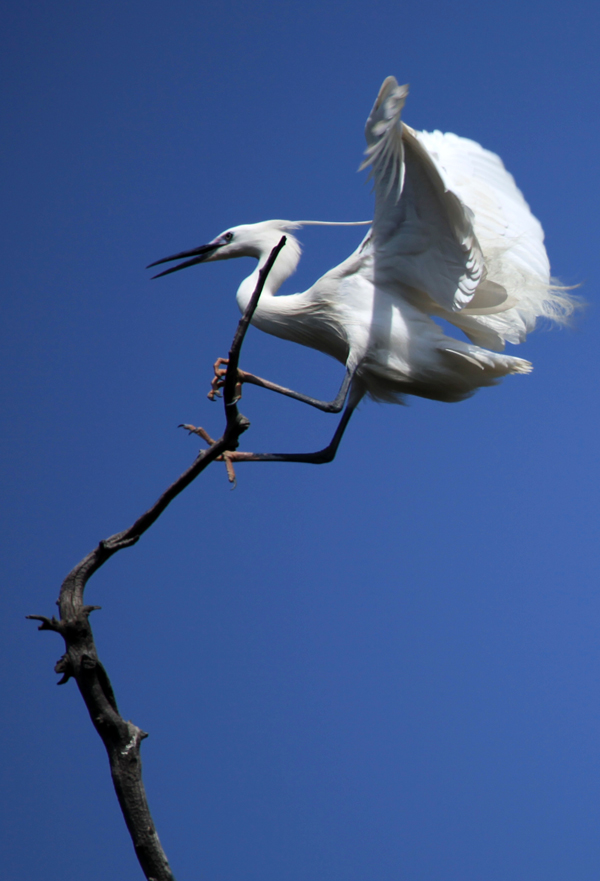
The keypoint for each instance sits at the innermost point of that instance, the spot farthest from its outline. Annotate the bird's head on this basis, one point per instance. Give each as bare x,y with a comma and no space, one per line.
247,240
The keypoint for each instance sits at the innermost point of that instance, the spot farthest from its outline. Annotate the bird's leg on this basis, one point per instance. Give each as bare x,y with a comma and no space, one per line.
320,457
334,406
327,406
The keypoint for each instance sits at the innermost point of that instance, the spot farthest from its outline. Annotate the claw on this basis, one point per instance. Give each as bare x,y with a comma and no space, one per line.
226,457
218,380
191,429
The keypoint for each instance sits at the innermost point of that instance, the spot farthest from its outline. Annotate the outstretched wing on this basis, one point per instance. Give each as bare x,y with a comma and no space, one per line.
517,290
502,218
422,232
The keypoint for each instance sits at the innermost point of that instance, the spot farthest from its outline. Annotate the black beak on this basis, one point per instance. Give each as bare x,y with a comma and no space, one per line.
198,255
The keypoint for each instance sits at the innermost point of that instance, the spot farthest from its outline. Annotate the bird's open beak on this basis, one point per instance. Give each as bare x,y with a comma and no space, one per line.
198,255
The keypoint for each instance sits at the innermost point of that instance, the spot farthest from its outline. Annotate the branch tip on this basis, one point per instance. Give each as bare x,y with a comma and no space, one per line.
87,610
231,382
47,623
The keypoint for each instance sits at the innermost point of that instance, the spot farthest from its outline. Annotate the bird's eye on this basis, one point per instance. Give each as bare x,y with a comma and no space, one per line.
228,236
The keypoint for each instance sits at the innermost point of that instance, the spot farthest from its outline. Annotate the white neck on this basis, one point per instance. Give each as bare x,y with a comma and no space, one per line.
284,266
276,315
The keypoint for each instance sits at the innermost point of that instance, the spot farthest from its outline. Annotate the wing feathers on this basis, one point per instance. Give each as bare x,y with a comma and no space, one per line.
452,227
418,219
385,153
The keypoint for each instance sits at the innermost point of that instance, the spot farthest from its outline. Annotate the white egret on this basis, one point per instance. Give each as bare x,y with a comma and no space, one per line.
452,237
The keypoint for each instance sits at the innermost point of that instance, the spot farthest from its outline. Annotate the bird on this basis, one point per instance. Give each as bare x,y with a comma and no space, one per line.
451,238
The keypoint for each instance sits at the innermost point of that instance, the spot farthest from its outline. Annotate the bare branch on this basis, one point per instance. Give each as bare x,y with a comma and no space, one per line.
231,377
122,739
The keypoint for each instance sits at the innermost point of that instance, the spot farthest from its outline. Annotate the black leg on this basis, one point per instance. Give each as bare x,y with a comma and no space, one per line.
334,406
320,457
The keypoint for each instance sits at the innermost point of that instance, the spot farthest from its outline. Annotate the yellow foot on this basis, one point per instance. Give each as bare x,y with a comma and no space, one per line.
218,380
226,457
191,429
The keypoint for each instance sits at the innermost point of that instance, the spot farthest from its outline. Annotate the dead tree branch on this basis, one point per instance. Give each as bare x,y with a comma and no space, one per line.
122,739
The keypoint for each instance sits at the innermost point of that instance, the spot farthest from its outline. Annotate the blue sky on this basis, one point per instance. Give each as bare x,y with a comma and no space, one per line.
386,668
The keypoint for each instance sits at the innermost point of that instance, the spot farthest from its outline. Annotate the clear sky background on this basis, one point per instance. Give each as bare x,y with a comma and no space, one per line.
385,668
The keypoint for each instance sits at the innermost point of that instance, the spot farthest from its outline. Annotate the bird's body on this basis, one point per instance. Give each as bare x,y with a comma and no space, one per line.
357,316
452,237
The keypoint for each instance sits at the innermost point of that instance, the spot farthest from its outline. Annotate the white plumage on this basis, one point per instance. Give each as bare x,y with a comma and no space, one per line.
452,237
